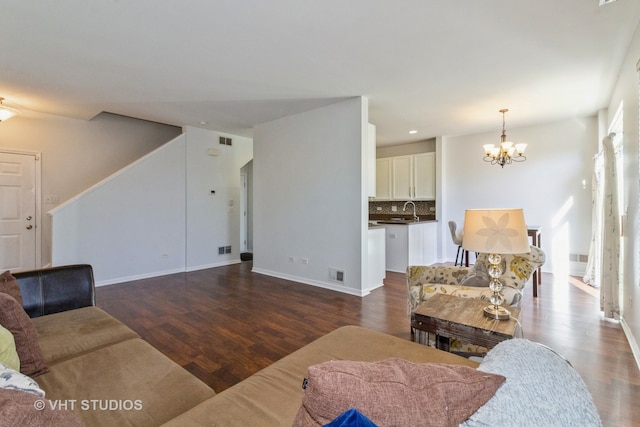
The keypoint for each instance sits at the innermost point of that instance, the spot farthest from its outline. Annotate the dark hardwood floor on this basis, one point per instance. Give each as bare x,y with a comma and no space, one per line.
226,323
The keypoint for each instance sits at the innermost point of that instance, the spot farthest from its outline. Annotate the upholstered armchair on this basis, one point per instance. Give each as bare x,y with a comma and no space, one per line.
472,282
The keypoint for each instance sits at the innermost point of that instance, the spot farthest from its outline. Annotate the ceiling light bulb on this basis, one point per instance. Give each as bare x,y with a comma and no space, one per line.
5,112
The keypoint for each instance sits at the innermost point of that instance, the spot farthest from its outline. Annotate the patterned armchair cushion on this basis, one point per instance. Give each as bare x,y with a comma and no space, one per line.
418,294
517,268
425,281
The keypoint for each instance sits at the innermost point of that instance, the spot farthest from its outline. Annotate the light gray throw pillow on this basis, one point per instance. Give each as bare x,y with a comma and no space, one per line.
478,278
542,389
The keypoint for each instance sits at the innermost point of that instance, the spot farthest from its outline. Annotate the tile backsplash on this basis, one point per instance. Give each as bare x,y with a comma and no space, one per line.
423,208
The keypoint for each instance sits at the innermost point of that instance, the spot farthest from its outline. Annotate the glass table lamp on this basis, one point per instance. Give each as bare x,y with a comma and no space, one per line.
495,232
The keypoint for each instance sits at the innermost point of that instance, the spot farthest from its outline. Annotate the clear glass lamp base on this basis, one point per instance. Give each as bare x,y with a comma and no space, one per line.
497,312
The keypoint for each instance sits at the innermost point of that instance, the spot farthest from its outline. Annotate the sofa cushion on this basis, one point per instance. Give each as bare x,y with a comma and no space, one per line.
11,379
8,352
9,285
75,332
24,409
15,319
395,392
479,276
272,396
146,386
542,389
511,296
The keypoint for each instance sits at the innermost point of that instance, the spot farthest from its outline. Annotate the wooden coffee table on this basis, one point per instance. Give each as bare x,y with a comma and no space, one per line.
448,316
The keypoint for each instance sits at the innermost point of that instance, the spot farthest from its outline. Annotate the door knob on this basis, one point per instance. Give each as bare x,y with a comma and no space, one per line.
29,227
29,218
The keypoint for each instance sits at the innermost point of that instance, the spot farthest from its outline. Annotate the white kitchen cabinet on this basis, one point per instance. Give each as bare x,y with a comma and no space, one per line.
410,177
411,244
383,178
377,265
424,176
402,178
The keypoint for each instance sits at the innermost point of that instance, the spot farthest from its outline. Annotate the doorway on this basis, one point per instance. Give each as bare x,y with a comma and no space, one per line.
246,211
20,225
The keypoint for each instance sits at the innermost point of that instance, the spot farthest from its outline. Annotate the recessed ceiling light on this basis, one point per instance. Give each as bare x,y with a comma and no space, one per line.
413,131
203,123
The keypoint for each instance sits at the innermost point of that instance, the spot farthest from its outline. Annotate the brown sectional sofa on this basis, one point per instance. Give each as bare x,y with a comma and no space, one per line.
95,360
109,376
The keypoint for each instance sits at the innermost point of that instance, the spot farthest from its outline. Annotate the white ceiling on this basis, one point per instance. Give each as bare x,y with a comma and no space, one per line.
442,67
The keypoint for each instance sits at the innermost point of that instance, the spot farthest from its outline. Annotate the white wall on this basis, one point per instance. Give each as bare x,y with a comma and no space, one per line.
131,225
77,154
213,220
310,196
157,216
548,185
626,90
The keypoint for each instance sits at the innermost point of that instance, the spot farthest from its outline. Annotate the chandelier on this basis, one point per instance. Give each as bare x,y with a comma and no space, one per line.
505,153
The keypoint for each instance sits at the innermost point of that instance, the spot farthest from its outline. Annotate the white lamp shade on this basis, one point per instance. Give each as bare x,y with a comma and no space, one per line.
496,231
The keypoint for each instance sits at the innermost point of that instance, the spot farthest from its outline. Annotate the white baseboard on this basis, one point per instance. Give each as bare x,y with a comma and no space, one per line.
164,273
635,349
138,277
317,283
577,268
213,265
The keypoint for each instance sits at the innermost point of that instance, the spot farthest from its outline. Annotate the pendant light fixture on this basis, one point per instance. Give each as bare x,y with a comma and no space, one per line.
505,153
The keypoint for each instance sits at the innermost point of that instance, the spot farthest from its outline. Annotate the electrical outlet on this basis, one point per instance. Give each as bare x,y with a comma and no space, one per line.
394,208
379,208
305,260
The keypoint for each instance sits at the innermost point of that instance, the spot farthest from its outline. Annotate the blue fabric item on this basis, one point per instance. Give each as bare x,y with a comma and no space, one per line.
351,418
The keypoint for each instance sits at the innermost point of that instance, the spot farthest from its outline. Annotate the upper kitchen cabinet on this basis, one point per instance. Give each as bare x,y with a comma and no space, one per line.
413,177
370,153
383,178
424,176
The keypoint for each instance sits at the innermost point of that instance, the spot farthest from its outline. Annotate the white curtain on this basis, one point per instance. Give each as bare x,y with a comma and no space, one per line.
610,265
603,265
592,271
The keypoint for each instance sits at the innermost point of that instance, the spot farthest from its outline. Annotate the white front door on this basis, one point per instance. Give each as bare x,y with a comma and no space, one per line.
17,211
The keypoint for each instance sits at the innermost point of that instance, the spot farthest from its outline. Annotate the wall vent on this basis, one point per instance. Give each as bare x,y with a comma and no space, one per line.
336,275
224,250
225,141
578,257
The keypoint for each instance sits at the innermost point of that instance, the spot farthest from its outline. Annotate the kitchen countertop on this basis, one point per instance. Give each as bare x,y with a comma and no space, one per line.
400,221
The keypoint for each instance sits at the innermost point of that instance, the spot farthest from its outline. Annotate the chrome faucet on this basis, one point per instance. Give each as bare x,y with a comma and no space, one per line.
415,217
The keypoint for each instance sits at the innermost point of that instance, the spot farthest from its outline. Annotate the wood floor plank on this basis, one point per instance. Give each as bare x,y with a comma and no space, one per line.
226,323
